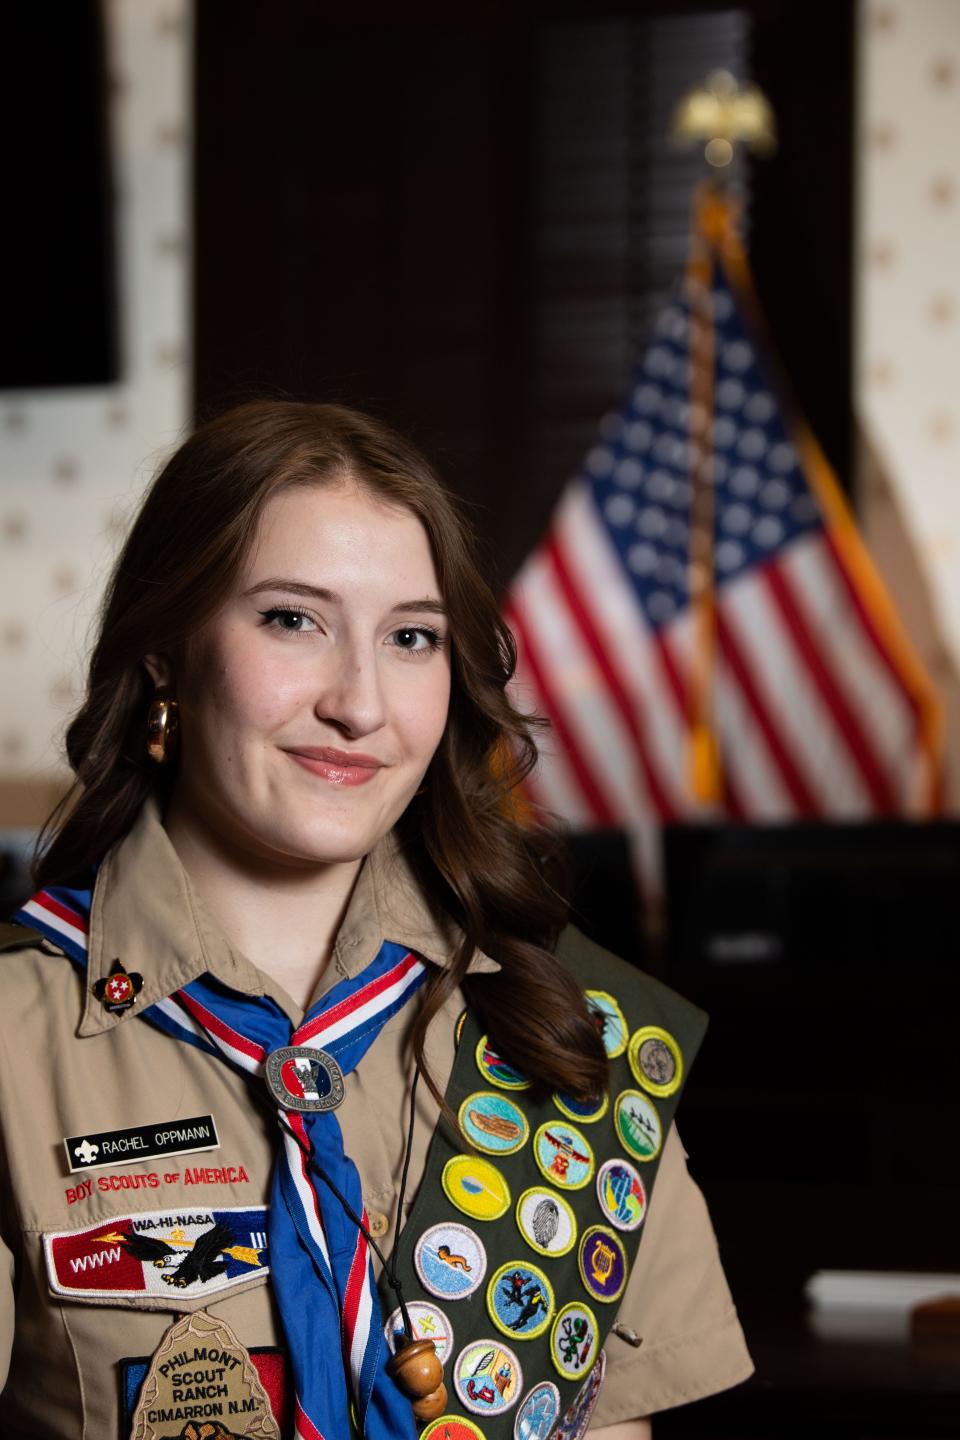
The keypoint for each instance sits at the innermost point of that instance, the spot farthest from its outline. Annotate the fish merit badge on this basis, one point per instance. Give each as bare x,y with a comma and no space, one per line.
118,990
141,1142
203,1381
176,1254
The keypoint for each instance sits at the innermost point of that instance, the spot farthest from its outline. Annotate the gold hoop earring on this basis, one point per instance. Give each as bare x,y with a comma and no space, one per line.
163,722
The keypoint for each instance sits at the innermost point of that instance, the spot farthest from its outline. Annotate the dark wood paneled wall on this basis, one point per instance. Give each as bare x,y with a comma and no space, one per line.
366,203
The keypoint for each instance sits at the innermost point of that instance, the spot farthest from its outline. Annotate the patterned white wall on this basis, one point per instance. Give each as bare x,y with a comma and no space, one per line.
908,277
74,462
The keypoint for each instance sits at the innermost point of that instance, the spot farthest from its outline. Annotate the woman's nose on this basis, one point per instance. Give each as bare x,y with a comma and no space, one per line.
352,696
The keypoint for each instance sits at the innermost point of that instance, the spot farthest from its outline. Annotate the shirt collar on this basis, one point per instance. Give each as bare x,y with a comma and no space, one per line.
147,915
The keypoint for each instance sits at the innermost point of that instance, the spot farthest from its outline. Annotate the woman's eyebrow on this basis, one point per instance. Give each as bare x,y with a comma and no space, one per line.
318,592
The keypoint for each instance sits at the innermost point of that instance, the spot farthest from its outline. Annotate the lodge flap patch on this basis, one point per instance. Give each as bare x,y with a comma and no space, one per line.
176,1254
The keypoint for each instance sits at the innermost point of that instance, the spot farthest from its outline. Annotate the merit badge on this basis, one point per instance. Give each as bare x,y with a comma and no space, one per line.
141,1142
428,1322
603,1263
452,1427
621,1194
574,1340
538,1413
576,1421
494,1123
638,1125
520,1300
498,1071
450,1260
300,1078
476,1187
118,990
546,1221
586,1111
171,1253
563,1155
487,1377
609,1020
202,1369
655,1060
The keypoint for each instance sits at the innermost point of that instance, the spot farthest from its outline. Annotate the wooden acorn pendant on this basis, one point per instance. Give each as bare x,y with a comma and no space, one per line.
417,1370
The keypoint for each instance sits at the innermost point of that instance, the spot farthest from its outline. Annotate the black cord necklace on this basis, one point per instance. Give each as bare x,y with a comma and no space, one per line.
389,1266
415,1366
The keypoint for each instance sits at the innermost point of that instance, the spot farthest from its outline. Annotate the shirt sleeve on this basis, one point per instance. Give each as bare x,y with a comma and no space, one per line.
677,1304
6,1312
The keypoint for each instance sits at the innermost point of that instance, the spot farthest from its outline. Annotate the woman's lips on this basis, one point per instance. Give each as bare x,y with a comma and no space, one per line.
337,767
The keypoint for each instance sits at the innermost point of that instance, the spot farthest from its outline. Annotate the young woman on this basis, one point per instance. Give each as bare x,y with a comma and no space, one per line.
290,881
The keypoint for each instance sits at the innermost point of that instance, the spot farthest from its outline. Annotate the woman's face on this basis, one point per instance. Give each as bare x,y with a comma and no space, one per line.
311,704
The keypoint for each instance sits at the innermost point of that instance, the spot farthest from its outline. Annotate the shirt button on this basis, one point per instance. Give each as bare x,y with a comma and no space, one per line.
378,1224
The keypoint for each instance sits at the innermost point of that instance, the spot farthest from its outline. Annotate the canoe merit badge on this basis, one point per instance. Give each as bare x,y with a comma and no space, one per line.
546,1221
450,1260
202,1379
494,1123
428,1322
638,1125
538,1413
655,1060
574,1341
576,1421
497,1071
170,1253
603,1263
520,1300
118,990
621,1194
476,1187
609,1020
563,1155
300,1078
487,1377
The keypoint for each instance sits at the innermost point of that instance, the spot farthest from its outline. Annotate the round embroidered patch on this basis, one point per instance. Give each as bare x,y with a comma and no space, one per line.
476,1187
603,1263
638,1125
563,1156
609,1020
450,1260
494,1123
497,1071
576,1421
452,1427
574,1340
429,1323
620,1192
487,1377
655,1060
546,1221
520,1300
586,1111
458,1028
538,1412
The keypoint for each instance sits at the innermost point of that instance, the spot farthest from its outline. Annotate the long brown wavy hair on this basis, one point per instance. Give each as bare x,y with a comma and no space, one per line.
473,857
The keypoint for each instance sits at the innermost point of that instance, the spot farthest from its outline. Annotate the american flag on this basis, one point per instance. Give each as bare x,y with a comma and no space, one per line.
817,705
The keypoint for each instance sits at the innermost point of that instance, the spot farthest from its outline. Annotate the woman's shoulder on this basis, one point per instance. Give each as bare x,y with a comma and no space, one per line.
32,972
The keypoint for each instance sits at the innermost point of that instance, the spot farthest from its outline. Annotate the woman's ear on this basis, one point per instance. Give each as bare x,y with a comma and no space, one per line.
159,669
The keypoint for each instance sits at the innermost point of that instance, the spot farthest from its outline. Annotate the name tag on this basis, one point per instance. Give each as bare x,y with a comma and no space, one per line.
141,1142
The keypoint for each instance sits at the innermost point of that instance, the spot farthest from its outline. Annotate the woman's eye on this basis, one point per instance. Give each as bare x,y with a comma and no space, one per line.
416,639
291,622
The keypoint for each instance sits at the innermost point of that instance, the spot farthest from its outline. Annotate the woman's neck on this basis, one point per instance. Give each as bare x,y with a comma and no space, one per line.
284,918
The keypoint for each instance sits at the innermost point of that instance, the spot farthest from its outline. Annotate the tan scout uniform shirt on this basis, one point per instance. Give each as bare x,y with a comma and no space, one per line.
69,1068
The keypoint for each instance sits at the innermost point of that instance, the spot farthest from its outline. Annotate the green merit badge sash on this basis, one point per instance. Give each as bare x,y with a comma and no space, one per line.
525,1229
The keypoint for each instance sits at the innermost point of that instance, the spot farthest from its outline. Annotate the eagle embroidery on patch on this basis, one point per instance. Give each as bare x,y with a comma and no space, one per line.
171,1253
